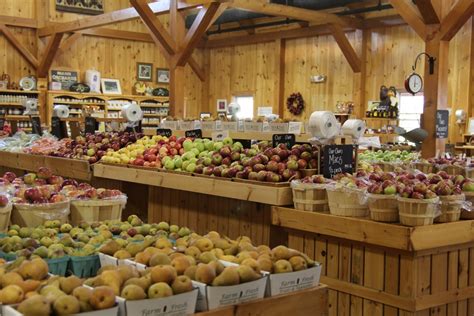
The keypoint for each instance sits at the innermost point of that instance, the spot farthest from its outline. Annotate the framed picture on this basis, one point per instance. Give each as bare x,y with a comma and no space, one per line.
144,72
162,75
471,126
221,105
111,86
91,7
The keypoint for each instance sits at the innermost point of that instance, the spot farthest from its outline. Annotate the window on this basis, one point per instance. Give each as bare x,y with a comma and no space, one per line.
246,106
411,108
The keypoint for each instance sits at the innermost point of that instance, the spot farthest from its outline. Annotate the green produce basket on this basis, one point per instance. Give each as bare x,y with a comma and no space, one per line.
58,266
8,256
84,267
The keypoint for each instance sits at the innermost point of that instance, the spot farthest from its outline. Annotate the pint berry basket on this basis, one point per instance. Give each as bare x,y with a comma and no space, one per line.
383,208
347,202
414,212
450,207
309,197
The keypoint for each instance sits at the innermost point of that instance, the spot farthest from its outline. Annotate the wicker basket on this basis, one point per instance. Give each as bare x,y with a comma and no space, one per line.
450,207
415,212
383,208
31,215
308,172
466,214
454,170
423,167
469,173
5,215
96,210
387,166
307,197
344,202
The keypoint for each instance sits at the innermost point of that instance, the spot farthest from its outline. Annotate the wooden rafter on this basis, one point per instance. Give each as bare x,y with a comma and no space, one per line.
118,34
315,17
456,18
68,42
154,25
346,47
409,13
197,69
19,46
160,7
49,53
427,11
196,31
20,22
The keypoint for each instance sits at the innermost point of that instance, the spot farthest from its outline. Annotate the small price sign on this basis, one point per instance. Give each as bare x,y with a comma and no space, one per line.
164,132
338,159
219,136
91,125
442,123
195,133
287,139
2,123
56,127
36,125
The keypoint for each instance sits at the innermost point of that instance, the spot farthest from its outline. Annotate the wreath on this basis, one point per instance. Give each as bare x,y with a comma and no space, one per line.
295,103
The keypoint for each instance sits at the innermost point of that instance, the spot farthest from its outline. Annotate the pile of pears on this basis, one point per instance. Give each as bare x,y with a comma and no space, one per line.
27,283
131,284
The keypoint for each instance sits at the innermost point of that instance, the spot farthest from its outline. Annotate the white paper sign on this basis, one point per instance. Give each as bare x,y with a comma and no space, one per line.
264,110
219,136
294,127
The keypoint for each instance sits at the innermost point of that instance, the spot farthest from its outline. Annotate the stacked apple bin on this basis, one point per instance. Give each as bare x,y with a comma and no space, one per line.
96,265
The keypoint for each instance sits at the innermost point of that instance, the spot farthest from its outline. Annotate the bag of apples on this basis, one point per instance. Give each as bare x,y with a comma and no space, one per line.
309,194
5,212
89,204
35,214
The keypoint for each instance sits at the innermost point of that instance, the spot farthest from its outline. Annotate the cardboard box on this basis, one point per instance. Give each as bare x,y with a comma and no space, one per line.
172,125
290,127
10,310
282,283
256,127
109,260
230,126
211,125
176,305
189,125
139,266
212,297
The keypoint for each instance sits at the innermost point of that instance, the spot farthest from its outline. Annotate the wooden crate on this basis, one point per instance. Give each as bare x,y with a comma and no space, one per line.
303,303
375,268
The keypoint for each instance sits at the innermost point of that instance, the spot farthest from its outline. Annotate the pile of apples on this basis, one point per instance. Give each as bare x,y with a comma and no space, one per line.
91,147
220,159
454,161
388,156
27,283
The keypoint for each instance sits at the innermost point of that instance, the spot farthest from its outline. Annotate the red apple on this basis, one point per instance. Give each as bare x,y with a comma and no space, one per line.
3,200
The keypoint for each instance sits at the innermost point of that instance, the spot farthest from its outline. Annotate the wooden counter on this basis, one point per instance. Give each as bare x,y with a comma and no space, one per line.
70,168
302,303
374,268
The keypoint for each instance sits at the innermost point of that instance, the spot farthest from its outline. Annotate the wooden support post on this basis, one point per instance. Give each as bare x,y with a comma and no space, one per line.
360,77
346,47
19,46
177,73
280,51
471,74
49,53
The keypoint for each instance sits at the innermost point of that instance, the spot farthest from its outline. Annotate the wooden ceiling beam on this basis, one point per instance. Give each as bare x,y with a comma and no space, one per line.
315,17
427,11
346,47
154,25
196,31
19,46
113,17
19,22
118,34
68,42
410,14
197,69
49,53
456,18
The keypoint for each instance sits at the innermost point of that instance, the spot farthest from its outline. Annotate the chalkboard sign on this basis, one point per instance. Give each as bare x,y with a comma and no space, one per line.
195,133
65,77
287,139
442,123
135,129
36,125
164,132
337,159
91,125
58,128
2,123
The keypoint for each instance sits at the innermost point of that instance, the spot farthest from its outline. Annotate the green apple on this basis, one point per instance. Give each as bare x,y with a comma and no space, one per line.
169,165
227,141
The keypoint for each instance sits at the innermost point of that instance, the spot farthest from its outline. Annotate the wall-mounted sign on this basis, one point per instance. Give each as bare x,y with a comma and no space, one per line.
65,77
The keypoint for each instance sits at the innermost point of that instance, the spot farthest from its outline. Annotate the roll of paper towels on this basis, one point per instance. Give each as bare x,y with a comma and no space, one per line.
323,125
354,128
61,111
132,112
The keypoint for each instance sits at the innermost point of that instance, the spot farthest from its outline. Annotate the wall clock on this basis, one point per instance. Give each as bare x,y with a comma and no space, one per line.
414,83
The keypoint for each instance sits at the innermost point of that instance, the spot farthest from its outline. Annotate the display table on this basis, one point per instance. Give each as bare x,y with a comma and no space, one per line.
234,208
312,302
374,268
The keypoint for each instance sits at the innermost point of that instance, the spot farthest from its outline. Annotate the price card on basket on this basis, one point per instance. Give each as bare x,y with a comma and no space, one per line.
195,133
287,139
91,125
337,159
219,136
36,125
164,132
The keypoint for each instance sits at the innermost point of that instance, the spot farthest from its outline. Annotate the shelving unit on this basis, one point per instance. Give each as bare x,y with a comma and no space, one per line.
11,107
378,124
153,107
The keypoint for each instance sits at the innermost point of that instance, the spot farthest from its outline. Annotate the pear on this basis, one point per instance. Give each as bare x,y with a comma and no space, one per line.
35,306
127,272
230,276
10,278
282,266
193,252
122,254
204,244
265,264
159,289
191,272
217,266
163,274
180,264
112,279
68,284
110,247
251,263
182,284
133,292
159,259
82,293
281,252
12,294
247,274
205,273
298,263
207,257
66,305
142,282
134,248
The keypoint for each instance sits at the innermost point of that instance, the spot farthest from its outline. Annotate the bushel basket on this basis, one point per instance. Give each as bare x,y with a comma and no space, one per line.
467,214
90,211
383,208
308,197
414,212
450,207
5,215
347,202
32,215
